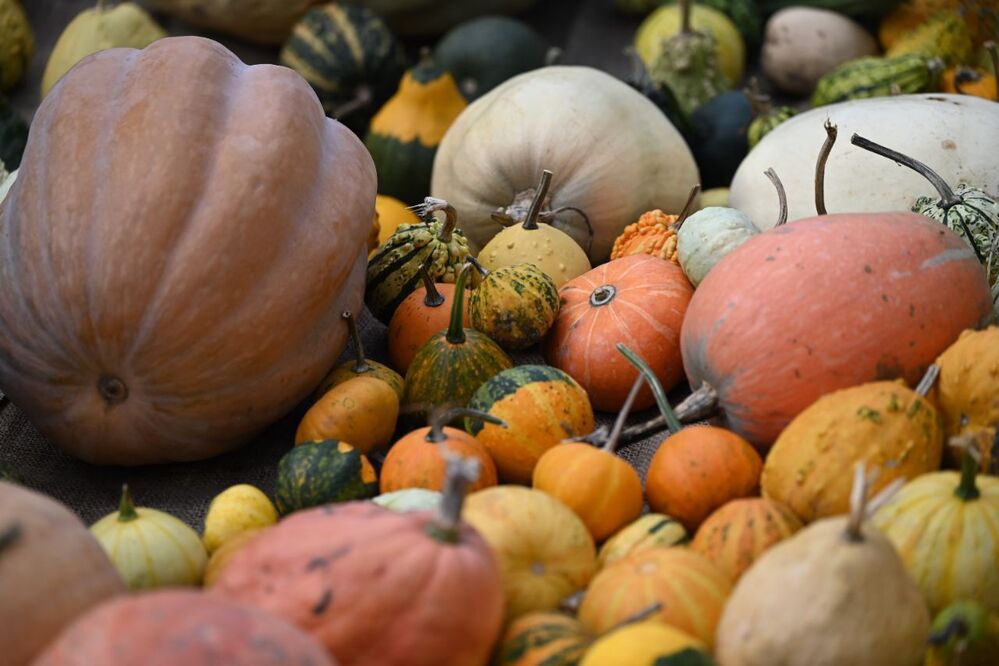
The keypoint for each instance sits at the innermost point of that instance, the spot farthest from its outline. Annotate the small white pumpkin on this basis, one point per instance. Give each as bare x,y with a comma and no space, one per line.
409,499
235,510
150,548
707,236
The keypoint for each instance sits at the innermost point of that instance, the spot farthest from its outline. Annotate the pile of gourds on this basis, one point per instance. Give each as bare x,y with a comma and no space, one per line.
452,504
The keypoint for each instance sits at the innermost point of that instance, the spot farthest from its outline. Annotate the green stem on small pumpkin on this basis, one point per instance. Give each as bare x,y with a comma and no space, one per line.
820,167
361,363
700,404
531,219
456,328
441,417
688,207
929,379
461,473
10,535
126,507
433,298
610,446
967,488
645,372
781,196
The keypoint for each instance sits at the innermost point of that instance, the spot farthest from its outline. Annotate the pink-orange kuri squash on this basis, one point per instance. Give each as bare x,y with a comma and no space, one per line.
821,304
639,300
174,268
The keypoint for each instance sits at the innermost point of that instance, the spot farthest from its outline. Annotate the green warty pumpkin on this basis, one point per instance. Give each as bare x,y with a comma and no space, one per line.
514,305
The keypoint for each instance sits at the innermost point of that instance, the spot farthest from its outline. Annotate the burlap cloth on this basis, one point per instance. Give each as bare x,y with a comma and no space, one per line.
185,489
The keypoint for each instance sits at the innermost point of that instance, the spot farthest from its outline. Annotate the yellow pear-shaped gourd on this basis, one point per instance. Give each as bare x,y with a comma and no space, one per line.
150,548
17,43
234,511
98,29
552,251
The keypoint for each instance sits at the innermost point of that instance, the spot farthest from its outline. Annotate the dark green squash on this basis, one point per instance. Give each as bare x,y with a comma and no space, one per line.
13,135
349,57
404,134
394,268
721,137
451,366
315,473
514,305
432,17
485,52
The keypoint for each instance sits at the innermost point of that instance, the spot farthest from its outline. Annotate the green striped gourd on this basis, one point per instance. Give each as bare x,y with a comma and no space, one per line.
394,268
653,530
765,117
541,406
945,35
315,473
543,638
450,366
349,57
874,76
514,305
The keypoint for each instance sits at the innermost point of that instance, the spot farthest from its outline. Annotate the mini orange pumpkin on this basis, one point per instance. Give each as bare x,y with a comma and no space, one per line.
654,233
417,460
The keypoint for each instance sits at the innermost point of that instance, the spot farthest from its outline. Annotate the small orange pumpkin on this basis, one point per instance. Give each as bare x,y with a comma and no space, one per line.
736,534
417,460
969,81
424,312
654,233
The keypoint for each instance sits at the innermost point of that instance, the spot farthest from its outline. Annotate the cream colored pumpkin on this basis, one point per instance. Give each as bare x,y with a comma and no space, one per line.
707,236
150,548
614,155
235,510
263,21
98,29
409,499
544,549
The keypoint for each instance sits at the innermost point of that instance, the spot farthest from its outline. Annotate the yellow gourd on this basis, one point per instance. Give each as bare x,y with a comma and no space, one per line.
150,548
218,559
236,510
665,22
17,43
552,251
653,530
361,411
648,643
98,29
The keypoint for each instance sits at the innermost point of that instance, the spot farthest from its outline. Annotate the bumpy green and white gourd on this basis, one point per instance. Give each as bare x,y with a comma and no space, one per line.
875,76
394,268
968,211
707,236
688,65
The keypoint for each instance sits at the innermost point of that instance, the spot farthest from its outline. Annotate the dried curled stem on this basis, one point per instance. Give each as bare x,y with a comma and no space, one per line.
820,167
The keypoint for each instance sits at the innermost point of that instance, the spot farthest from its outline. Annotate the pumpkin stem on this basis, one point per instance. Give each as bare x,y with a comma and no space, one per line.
361,364
483,271
929,379
862,506
603,295
967,489
615,435
433,297
700,404
441,417
643,614
758,101
363,97
781,195
461,473
645,372
685,17
112,389
688,207
10,535
947,196
531,220
820,167
993,50
456,329
126,508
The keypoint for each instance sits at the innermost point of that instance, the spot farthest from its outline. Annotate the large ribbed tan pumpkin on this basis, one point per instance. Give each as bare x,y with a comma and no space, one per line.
182,237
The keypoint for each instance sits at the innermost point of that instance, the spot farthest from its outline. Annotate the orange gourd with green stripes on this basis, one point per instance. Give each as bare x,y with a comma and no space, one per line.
543,638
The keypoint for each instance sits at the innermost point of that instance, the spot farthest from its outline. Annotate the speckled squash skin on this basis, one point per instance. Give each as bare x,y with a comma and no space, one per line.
323,472
416,461
366,582
170,627
767,347
691,589
551,250
653,530
541,406
361,411
884,424
543,638
740,531
515,306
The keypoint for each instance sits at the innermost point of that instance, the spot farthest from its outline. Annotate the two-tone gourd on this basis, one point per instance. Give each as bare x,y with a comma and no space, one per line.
323,472
515,305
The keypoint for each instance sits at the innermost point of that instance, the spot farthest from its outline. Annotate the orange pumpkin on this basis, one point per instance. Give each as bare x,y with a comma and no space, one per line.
177,626
698,469
740,531
969,81
417,460
378,587
173,316
690,588
760,348
654,234
639,300
423,313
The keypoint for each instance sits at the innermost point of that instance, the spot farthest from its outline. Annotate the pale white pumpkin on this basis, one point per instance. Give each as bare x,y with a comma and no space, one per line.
707,236
409,499
150,548
262,21
956,135
614,155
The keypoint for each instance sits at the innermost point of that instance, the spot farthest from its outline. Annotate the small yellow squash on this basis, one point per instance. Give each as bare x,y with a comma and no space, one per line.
653,530
648,643
234,511
361,411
